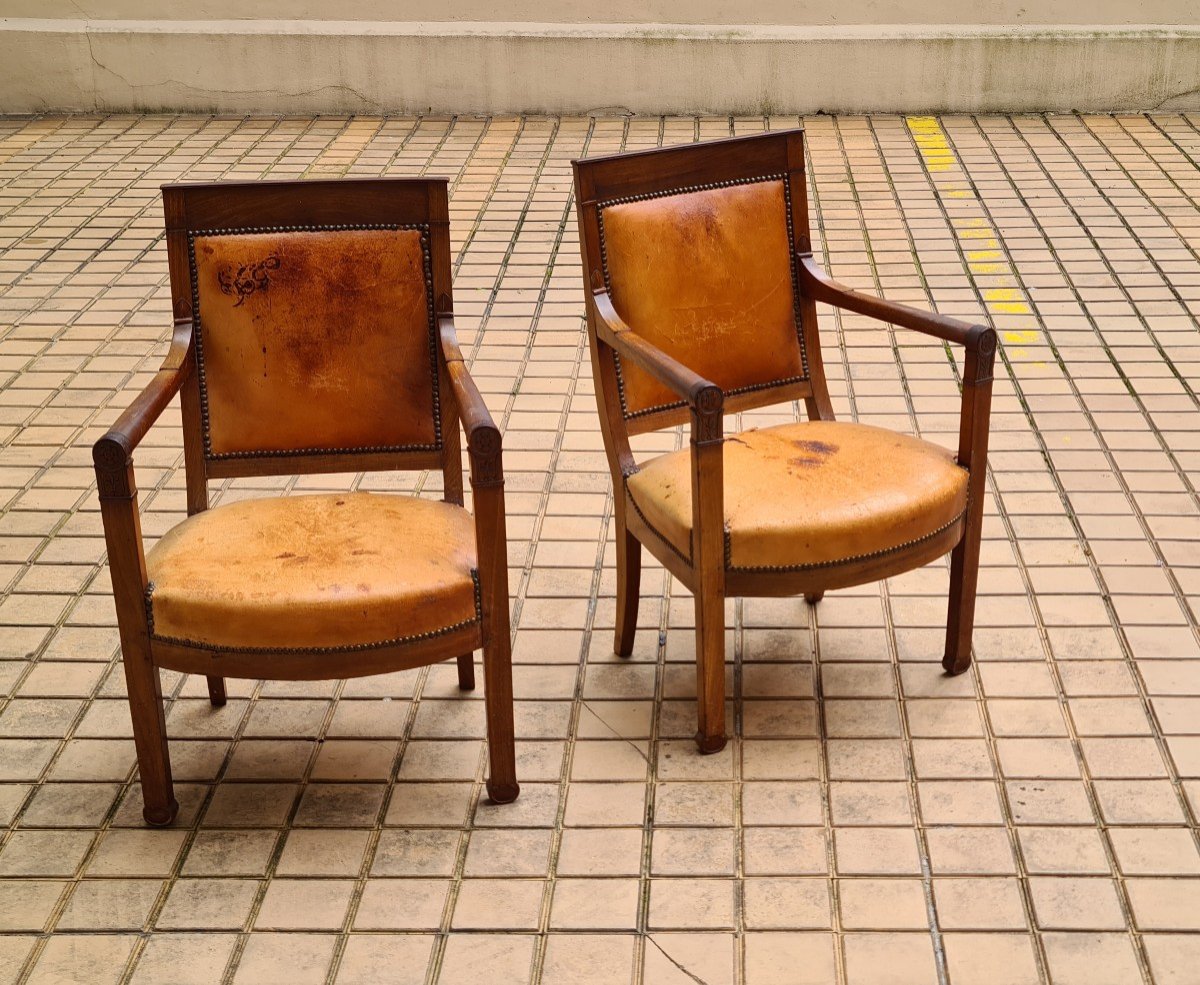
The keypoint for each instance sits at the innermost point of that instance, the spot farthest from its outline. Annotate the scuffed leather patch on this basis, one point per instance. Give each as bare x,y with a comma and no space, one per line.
706,276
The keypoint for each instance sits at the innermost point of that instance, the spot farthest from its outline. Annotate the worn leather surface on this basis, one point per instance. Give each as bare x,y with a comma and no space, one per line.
811,493
315,340
314,571
706,277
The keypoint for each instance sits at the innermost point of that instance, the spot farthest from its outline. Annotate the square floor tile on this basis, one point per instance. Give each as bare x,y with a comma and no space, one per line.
370,959
305,904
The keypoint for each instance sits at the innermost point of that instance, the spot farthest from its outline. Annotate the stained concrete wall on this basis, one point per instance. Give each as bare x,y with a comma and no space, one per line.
647,56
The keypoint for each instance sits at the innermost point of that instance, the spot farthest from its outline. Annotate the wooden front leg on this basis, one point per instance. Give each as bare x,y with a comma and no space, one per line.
708,565
126,560
487,485
972,455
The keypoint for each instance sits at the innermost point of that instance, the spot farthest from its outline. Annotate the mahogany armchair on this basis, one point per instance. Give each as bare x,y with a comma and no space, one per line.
314,332
701,300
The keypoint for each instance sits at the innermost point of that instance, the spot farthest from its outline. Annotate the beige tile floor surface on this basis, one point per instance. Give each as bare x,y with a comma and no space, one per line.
873,822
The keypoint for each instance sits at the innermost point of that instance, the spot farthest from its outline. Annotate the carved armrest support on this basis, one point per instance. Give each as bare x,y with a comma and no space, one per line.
702,396
484,444
978,340
112,454
706,402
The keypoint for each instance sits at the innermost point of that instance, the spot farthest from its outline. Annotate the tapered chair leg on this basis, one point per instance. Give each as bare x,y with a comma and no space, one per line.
629,584
466,672
150,739
216,691
710,673
502,784
960,618
812,598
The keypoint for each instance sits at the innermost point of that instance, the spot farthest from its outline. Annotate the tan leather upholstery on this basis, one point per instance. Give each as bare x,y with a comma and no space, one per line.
813,493
314,572
315,340
707,277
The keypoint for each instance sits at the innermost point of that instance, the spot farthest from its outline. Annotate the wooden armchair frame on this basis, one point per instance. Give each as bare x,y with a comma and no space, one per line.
307,205
702,405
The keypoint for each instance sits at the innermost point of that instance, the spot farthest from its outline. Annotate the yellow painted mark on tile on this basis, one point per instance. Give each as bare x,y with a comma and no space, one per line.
1010,308
932,143
980,242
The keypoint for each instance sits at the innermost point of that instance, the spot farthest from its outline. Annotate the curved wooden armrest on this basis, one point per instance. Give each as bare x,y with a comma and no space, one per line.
821,287
703,396
484,444
978,340
113,452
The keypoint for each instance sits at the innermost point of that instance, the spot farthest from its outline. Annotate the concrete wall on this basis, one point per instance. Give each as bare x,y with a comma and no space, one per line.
646,56
702,12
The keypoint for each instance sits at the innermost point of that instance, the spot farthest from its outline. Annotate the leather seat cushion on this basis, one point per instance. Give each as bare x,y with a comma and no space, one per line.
816,493
314,572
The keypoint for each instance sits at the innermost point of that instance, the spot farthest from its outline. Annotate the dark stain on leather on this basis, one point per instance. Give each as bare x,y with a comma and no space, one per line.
246,278
697,219
314,352
813,453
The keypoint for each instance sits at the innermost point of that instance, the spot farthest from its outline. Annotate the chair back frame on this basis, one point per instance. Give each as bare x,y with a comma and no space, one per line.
193,209
605,181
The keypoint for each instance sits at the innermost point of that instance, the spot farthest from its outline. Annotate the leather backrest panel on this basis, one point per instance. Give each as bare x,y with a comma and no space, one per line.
706,276
314,341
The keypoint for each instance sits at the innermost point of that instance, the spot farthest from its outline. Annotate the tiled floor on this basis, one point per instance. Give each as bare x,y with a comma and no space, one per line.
873,822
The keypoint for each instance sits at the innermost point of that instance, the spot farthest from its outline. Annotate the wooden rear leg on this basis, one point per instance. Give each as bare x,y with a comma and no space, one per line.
812,598
710,672
216,691
629,584
960,619
466,672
